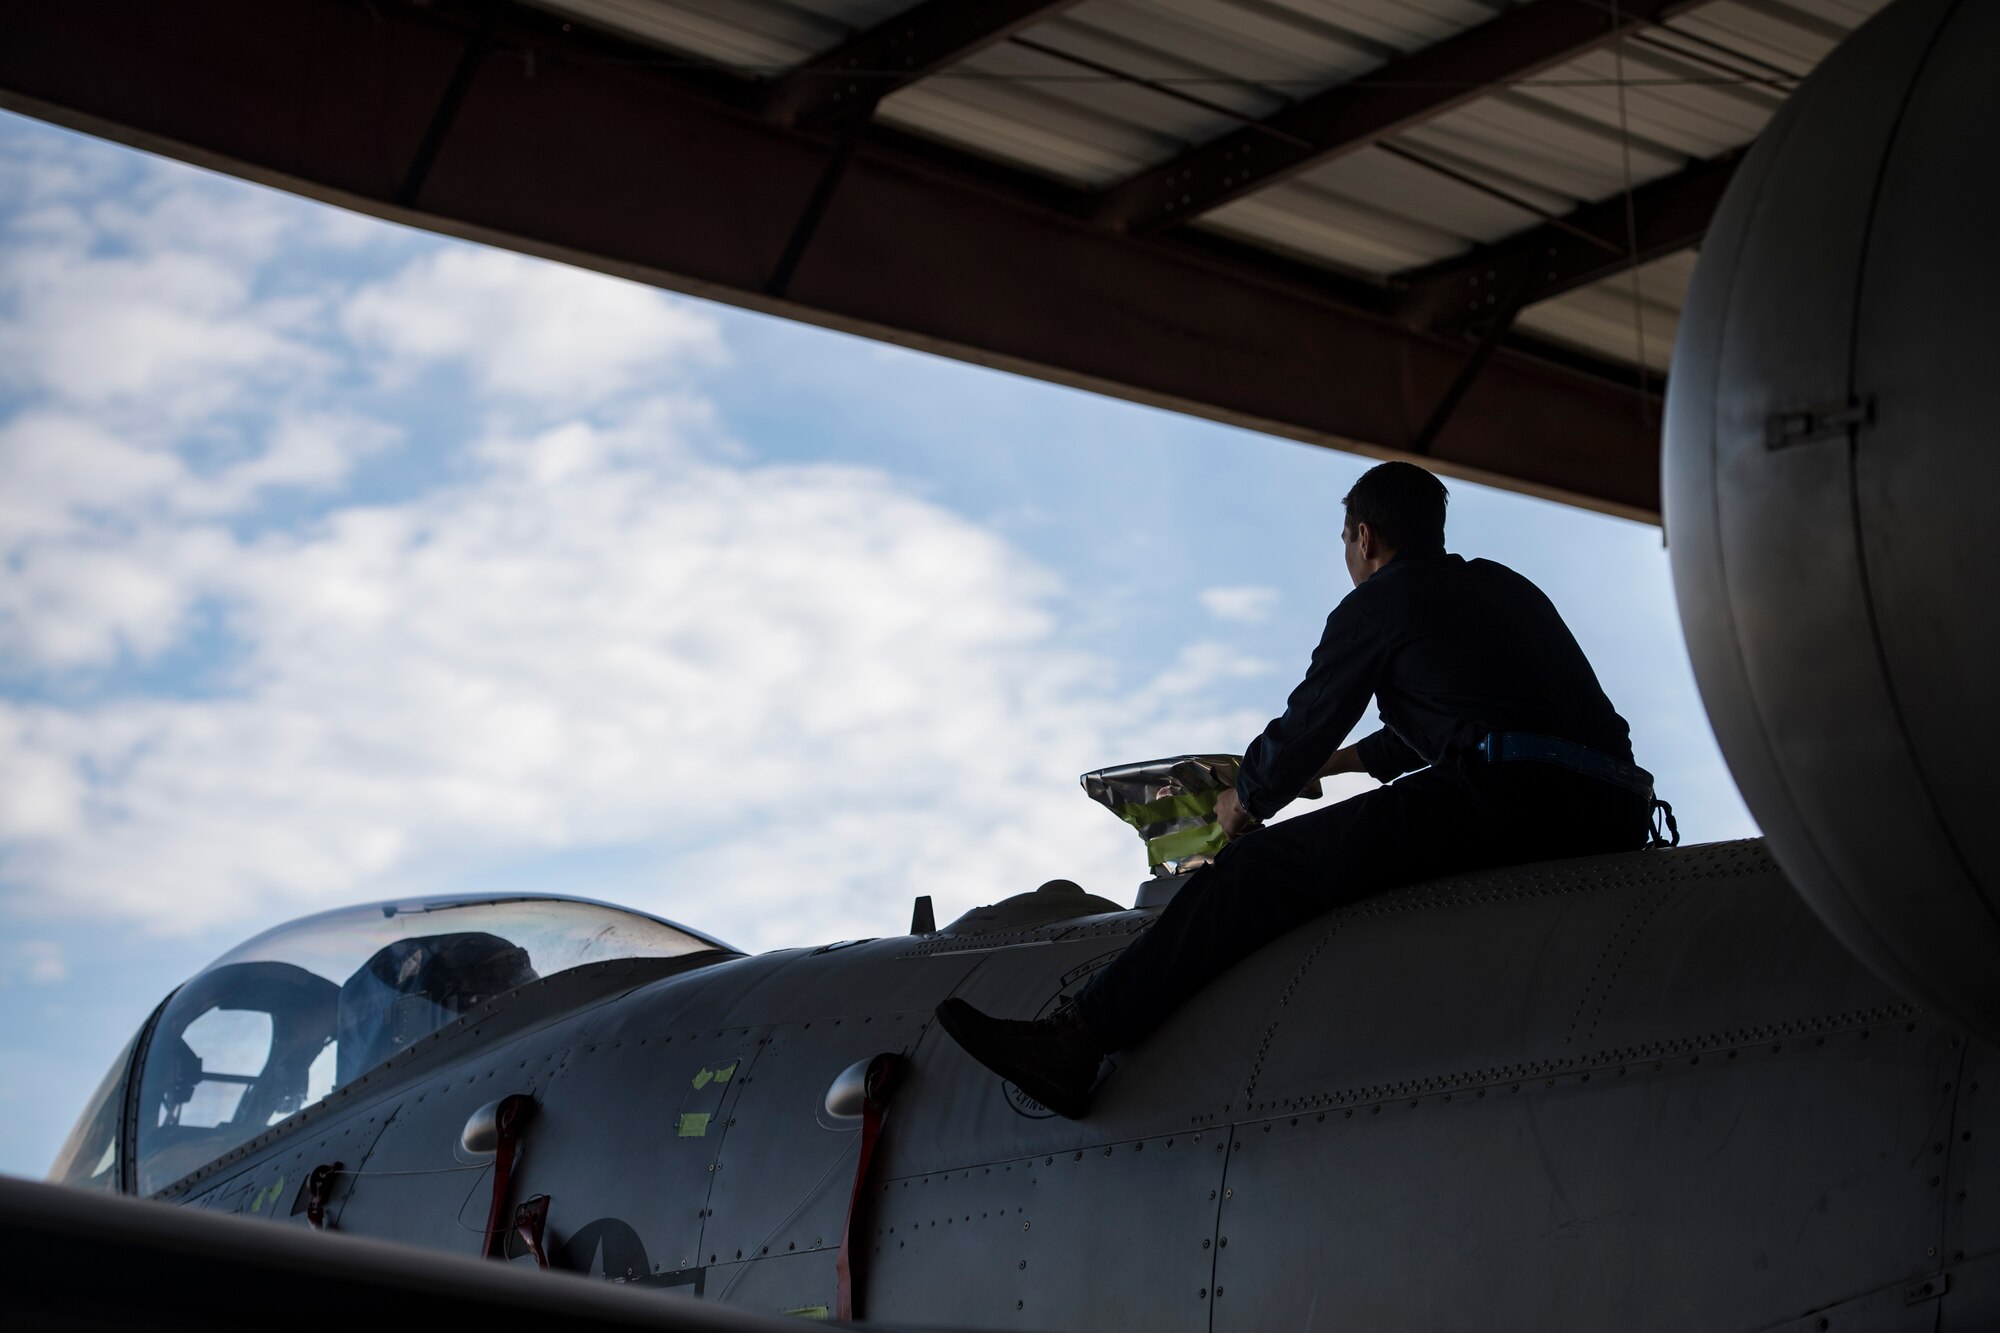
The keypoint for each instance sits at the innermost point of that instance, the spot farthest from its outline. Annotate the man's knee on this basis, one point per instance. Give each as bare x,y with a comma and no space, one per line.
1247,858
1297,846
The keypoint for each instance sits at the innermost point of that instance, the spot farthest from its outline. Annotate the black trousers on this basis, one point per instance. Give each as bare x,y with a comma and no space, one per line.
1429,823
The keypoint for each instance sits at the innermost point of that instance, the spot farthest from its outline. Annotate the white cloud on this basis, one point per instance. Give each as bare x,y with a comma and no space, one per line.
104,555
42,798
527,330
82,606
42,172
779,676
144,292
117,198
172,209
38,962
58,469
305,451
1245,604
160,340
804,693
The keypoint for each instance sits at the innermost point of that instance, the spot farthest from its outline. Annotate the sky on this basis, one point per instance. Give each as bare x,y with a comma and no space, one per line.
345,562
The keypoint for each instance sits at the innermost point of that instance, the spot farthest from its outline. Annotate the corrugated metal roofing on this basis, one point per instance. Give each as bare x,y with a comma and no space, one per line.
1600,316
1698,86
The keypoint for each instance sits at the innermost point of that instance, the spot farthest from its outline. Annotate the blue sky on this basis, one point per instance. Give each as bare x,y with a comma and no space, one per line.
344,561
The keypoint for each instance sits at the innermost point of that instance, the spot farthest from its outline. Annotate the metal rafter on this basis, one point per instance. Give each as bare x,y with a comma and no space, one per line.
454,96
1344,119
1671,214
897,52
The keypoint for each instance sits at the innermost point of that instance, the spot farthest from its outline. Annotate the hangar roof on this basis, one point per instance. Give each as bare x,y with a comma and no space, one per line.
1454,229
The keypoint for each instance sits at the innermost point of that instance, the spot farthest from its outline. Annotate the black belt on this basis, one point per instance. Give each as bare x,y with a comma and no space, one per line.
1503,746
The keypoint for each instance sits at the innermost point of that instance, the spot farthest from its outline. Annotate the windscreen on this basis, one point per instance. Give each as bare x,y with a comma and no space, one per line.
277,1023
89,1156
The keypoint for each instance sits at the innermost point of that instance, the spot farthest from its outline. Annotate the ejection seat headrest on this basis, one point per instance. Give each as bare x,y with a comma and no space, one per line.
412,987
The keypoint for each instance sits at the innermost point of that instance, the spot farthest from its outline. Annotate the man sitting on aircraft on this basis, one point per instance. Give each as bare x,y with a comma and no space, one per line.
1498,746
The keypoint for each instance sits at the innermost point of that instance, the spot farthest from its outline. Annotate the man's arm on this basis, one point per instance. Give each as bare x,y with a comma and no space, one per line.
1236,821
1344,760
1385,756
1322,710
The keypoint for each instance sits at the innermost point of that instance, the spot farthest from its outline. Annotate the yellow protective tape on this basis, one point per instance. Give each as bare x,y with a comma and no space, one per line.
719,1075
267,1195
694,1124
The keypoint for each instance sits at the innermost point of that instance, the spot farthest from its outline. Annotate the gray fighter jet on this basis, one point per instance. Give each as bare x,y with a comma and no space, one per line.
1675,1089
1644,1091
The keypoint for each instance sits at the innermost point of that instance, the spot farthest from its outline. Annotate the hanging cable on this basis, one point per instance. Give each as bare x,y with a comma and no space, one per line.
812,1192
1612,7
1781,84
1556,220
1631,218
1164,87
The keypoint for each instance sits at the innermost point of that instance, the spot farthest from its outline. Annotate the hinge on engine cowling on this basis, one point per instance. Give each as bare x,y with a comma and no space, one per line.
1784,429
1926,1289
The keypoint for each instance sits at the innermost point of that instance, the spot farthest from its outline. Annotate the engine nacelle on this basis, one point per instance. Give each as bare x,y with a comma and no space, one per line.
1832,458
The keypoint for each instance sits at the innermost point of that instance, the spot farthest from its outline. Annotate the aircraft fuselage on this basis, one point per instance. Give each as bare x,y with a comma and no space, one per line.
1641,1091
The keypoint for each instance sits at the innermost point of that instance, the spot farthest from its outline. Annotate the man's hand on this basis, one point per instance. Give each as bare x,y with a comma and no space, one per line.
1229,812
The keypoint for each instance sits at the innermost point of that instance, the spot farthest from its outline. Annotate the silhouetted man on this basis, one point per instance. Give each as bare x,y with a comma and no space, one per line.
1498,746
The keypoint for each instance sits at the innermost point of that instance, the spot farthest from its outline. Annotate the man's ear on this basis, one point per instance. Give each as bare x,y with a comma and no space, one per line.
1364,540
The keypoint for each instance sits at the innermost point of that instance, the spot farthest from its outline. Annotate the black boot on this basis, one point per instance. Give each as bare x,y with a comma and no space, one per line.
1052,1059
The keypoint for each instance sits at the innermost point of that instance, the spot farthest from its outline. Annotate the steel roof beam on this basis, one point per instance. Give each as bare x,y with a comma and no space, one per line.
440,126
1349,117
1593,243
896,53
577,152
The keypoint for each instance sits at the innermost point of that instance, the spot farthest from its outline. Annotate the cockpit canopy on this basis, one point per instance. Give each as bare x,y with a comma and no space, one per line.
279,1022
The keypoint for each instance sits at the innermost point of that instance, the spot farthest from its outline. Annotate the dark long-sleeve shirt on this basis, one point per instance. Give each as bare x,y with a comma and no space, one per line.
1450,649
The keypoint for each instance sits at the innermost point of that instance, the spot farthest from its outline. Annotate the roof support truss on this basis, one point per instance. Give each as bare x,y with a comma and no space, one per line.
454,95
1591,244
822,199
1345,119
897,52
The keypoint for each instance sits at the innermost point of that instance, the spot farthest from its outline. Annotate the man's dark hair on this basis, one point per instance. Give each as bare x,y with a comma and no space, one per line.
1403,503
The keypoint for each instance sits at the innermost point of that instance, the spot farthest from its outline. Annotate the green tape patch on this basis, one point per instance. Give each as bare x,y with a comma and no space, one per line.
1203,838
267,1197
694,1124
722,1075
1185,805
